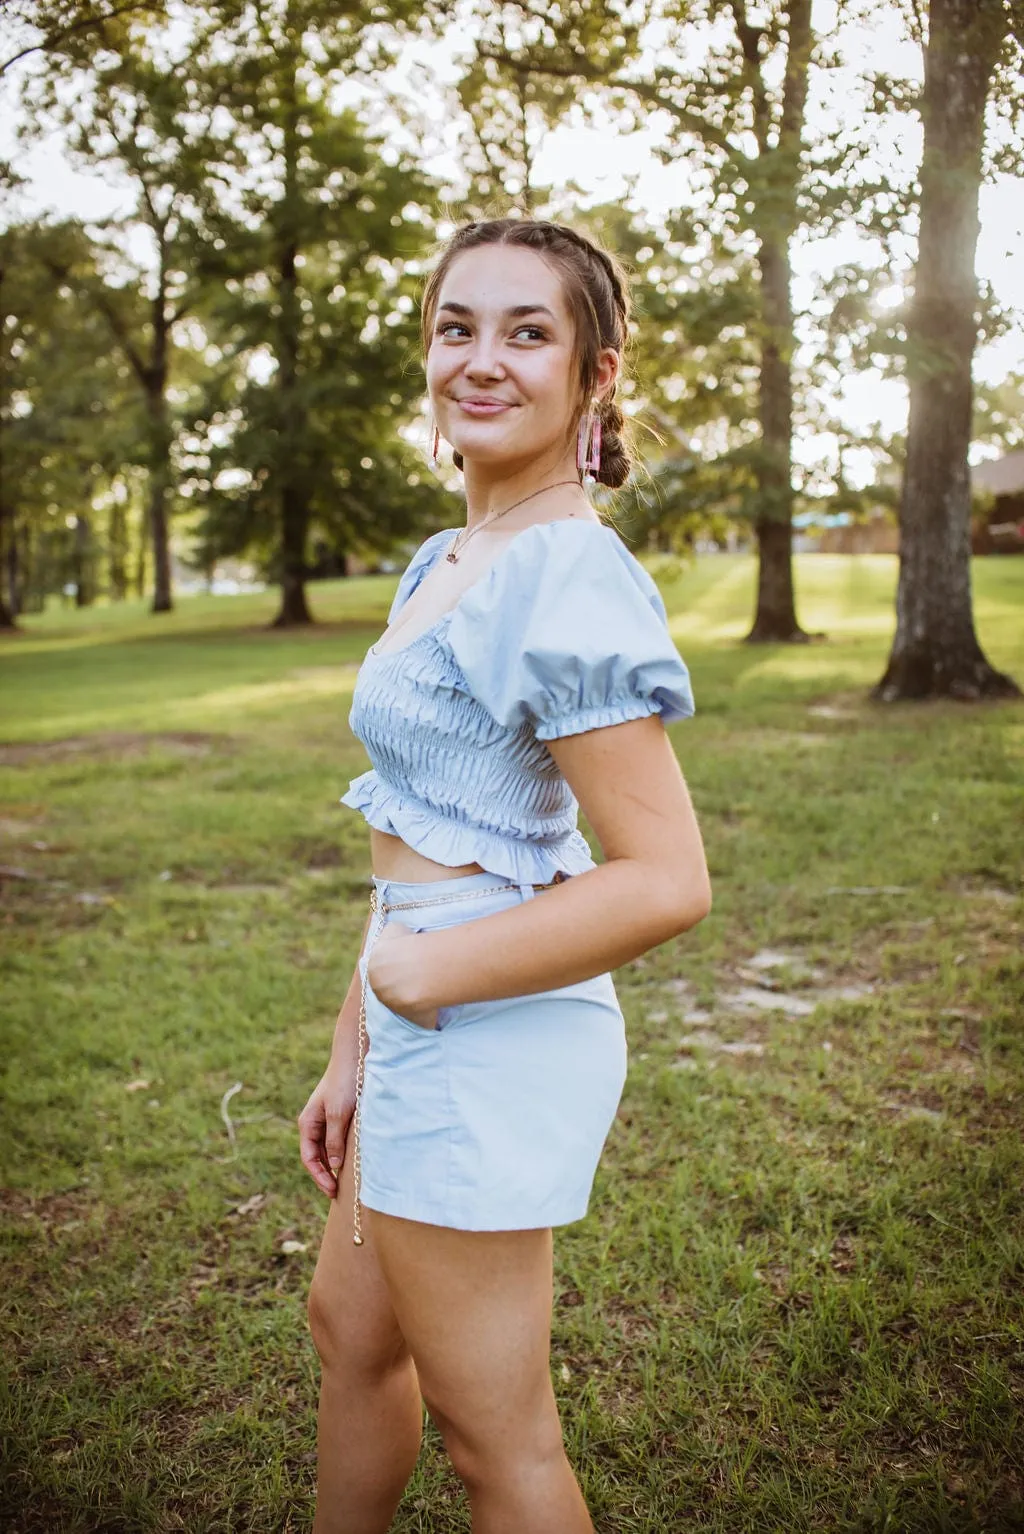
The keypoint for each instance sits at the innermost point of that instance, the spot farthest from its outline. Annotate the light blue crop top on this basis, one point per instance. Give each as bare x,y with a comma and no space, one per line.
565,632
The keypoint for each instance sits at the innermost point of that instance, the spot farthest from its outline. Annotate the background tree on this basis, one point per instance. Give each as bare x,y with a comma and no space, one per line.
738,116
42,26
999,413
694,385
123,92
315,245
498,154
67,419
691,380
935,651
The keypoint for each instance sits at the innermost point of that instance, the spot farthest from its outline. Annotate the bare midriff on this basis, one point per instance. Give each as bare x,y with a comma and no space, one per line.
392,858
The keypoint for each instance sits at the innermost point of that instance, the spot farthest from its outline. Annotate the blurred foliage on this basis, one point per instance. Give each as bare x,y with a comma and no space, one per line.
999,413
314,233
250,319
70,423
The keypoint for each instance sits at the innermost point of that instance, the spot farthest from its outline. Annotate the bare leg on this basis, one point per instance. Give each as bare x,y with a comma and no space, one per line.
475,1310
371,1413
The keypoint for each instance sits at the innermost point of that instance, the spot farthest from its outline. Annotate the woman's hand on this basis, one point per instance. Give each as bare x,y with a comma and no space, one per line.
324,1123
395,975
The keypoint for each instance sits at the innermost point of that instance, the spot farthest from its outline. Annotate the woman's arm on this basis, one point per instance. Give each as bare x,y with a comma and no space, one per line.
323,1122
653,885
346,1029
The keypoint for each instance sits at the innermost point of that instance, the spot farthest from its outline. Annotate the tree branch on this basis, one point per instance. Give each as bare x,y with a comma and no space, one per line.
581,68
917,29
750,46
52,39
693,121
798,59
60,271
120,332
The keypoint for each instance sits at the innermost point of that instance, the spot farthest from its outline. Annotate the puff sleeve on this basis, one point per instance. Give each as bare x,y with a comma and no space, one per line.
567,631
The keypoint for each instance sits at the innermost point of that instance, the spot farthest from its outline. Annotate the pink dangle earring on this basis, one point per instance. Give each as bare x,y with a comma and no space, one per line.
435,443
588,445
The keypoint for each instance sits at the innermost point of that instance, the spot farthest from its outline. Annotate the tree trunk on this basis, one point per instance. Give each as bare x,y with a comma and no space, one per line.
294,527
8,611
117,549
293,490
935,651
8,551
140,561
83,591
162,600
22,565
780,171
10,606
291,474
159,456
775,618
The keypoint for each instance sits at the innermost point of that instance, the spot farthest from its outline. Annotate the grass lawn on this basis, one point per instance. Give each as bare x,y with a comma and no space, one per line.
796,1302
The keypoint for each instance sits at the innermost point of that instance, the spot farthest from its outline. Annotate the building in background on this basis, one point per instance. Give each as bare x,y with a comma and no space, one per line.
997,486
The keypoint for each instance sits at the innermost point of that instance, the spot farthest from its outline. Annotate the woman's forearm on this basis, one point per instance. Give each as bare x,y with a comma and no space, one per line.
593,922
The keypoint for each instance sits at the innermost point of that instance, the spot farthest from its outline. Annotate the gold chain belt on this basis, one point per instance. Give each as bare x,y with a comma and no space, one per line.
380,908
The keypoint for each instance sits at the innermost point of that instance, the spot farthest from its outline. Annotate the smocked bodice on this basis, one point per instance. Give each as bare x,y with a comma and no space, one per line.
565,632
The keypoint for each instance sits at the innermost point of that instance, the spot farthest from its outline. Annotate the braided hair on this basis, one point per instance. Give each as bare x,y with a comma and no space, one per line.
597,291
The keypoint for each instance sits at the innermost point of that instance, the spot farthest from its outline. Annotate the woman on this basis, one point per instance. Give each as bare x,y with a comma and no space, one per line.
480,1053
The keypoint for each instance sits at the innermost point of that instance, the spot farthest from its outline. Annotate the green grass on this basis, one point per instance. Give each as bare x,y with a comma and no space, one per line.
796,1302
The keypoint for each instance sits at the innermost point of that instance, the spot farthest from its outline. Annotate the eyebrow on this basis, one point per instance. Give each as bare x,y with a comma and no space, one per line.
516,312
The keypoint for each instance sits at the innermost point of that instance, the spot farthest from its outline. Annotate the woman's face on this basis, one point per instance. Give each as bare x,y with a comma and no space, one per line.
500,369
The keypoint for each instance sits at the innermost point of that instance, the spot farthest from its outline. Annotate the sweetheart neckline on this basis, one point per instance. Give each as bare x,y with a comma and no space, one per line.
379,654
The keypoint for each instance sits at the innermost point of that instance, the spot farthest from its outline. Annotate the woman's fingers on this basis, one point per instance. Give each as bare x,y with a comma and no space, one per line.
339,1114
312,1149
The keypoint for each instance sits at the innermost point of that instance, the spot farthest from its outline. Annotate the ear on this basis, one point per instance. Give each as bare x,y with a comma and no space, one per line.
608,366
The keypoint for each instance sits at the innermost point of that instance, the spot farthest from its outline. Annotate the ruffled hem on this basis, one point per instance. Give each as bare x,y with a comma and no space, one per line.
452,844
597,718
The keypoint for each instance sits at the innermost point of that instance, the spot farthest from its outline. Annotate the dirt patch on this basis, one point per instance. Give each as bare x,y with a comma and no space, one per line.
991,892
631,1322
761,991
316,853
119,743
18,830
58,1210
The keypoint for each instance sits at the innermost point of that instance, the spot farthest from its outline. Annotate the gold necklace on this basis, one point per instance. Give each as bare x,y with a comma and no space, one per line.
456,548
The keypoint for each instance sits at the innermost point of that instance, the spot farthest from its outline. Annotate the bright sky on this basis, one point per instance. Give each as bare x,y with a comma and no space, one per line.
601,158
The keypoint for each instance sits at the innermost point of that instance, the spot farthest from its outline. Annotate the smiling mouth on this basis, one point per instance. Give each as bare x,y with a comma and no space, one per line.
484,407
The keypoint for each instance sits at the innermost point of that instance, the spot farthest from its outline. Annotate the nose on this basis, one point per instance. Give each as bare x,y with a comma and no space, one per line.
484,357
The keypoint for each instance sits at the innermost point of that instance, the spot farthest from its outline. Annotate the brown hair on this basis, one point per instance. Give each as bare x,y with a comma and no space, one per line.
597,292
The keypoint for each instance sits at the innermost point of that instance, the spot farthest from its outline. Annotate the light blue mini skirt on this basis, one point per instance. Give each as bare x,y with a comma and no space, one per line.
496,1119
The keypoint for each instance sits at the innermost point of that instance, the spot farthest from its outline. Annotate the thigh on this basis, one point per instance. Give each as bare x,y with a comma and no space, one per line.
475,1309
353,1321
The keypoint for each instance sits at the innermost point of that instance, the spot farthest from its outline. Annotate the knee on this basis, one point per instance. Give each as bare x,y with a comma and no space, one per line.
324,1322
487,1450
346,1340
